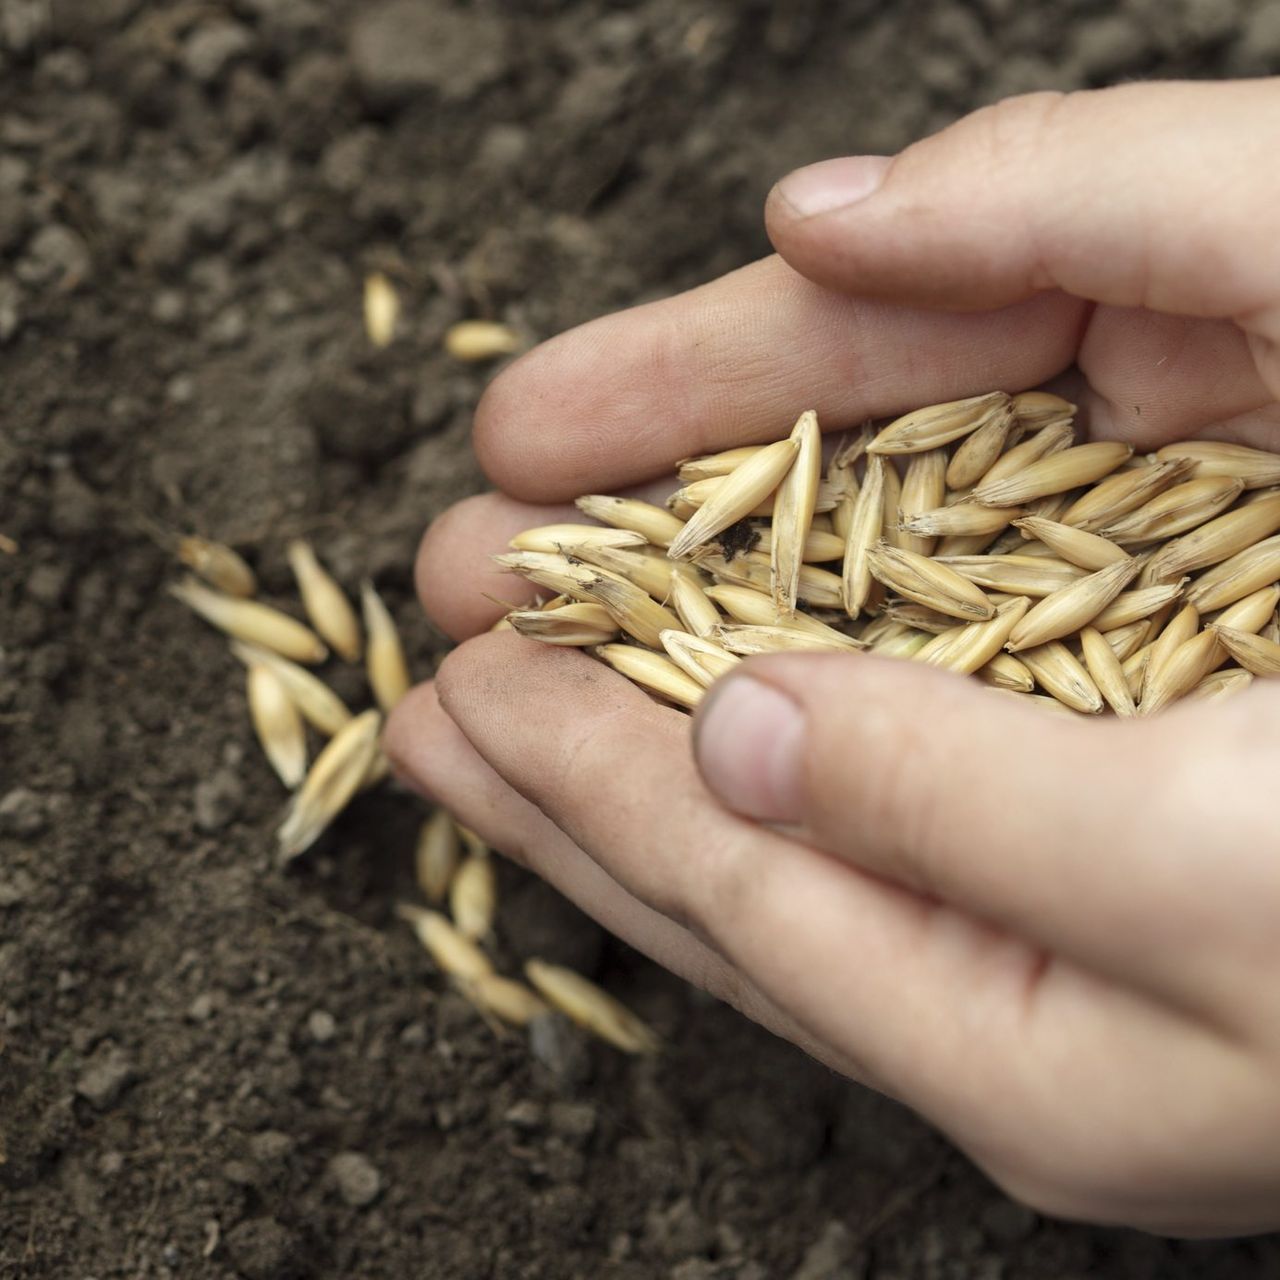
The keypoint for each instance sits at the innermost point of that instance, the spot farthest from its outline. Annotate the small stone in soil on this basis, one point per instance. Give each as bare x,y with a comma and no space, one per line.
358,1182
105,1077
202,1008
22,813
270,1146
217,799
561,1048
830,1257
16,888
321,1026
264,1249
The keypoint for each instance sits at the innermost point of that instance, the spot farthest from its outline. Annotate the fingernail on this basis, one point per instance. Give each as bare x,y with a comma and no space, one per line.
832,184
748,743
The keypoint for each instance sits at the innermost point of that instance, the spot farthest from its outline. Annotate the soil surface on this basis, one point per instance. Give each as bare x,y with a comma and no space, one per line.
213,1068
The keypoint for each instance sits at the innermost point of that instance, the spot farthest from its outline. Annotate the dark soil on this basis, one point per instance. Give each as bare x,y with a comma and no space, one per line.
212,1068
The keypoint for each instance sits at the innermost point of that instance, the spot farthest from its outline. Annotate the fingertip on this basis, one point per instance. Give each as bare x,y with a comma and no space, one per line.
454,571
410,736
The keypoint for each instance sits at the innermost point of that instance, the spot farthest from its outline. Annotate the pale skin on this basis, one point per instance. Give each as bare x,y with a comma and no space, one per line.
1058,941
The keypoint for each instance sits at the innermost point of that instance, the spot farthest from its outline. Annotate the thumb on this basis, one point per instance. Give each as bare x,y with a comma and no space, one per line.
1159,196
937,784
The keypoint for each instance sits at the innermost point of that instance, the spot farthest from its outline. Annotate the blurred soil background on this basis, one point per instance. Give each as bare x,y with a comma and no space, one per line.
211,1068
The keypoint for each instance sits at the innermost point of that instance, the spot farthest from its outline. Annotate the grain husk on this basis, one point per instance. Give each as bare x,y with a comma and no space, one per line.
1019,574
979,450
1222,684
865,525
555,537
1256,467
967,649
653,671
1131,606
333,779
1124,491
659,527
325,602
1218,540
1052,438
1236,577
1037,408
793,512
1257,655
473,896
586,1004
436,855
1204,653
1004,671
475,340
938,424
1058,673
699,657
929,583
457,955
251,621
737,496
381,309
572,625
385,663
1107,673
1086,550
505,998
924,488
693,607
278,724
711,465
962,519
218,565
1081,465
747,640
1072,607
319,705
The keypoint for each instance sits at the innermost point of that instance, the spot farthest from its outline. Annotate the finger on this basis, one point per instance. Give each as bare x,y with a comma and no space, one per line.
431,754
460,587
1042,826
612,769
619,400
1156,378
1102,195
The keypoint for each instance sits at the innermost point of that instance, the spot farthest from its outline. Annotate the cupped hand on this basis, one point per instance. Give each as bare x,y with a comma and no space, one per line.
1056,940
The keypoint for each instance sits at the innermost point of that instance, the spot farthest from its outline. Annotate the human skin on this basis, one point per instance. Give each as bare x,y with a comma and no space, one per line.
1058,941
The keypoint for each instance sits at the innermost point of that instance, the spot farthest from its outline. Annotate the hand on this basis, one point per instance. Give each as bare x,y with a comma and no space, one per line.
1057,941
